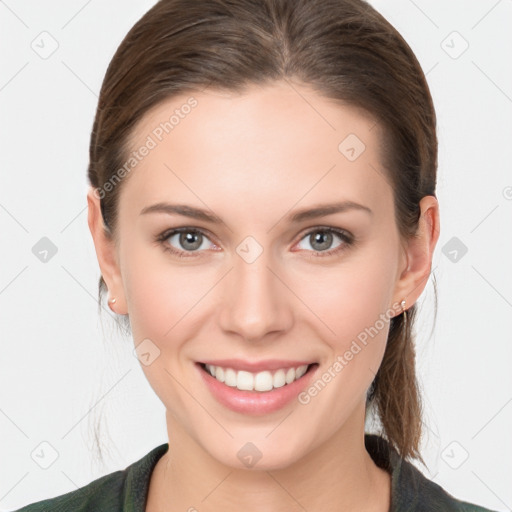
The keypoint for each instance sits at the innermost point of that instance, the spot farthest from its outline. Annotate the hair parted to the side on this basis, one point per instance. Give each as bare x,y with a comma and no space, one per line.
345,50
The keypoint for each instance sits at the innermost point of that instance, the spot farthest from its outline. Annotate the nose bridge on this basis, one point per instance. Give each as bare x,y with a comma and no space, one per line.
254,303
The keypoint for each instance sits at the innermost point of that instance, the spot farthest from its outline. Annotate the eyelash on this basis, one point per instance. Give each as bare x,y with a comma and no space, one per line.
347,239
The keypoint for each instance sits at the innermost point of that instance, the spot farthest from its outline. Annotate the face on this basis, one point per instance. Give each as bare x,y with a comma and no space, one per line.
256,283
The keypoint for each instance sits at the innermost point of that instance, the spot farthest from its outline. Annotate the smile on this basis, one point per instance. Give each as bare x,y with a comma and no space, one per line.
260,381
256,387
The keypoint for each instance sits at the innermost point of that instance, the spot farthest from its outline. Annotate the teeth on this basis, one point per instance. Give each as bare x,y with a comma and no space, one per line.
300,371
261,381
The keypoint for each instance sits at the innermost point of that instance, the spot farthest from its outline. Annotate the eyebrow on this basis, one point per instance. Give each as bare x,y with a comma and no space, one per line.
296,217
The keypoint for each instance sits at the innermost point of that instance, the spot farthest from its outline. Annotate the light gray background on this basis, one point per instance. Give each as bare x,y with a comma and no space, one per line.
61,367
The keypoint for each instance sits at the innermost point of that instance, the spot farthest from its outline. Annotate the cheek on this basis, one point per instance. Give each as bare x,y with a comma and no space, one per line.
351,297
160,297
159,291
355,304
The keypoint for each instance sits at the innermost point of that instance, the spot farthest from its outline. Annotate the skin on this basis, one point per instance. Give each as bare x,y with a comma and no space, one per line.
252,159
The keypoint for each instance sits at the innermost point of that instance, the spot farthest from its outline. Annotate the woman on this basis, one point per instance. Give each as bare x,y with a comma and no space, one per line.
263,209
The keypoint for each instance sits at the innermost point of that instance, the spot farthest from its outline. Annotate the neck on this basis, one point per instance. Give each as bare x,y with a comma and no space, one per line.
337,475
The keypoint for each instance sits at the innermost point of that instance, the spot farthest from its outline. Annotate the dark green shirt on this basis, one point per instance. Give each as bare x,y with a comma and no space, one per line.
127,490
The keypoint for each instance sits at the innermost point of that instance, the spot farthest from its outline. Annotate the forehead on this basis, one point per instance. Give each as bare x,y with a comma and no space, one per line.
256,114
281,141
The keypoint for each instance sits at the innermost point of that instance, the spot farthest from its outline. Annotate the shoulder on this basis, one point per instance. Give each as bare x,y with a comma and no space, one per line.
416,492
411,491
101,494
109,493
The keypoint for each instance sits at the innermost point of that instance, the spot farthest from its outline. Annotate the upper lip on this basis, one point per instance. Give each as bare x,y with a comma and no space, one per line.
256,366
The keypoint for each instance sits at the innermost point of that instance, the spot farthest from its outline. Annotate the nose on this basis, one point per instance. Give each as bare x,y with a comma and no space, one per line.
256,302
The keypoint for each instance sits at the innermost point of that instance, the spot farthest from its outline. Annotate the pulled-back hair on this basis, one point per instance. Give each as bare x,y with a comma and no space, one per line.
344,50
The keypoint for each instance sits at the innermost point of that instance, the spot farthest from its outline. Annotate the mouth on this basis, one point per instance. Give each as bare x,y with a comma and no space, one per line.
276,375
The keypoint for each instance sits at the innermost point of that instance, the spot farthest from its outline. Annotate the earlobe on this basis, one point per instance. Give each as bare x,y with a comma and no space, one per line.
105,248
419,251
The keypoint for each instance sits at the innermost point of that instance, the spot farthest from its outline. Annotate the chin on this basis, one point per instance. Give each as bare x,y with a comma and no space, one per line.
259,455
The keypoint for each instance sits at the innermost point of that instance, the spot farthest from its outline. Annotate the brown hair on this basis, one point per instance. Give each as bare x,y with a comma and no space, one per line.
343,49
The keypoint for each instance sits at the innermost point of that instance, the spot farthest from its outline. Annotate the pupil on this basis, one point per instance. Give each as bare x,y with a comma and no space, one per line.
323,238
188,238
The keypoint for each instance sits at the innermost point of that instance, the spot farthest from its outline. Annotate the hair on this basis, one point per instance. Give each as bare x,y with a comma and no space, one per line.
345,50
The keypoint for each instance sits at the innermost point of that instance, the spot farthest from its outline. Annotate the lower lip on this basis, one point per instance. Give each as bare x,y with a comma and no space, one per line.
255,402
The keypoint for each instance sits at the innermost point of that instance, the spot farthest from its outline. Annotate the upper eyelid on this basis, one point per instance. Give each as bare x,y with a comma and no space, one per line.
185,229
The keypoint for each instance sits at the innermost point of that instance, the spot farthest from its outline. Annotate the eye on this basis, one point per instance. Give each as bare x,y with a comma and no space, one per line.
184,240
190,242
321,240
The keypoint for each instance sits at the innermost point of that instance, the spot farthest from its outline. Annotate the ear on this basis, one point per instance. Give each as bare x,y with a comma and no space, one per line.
414,273
106,252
